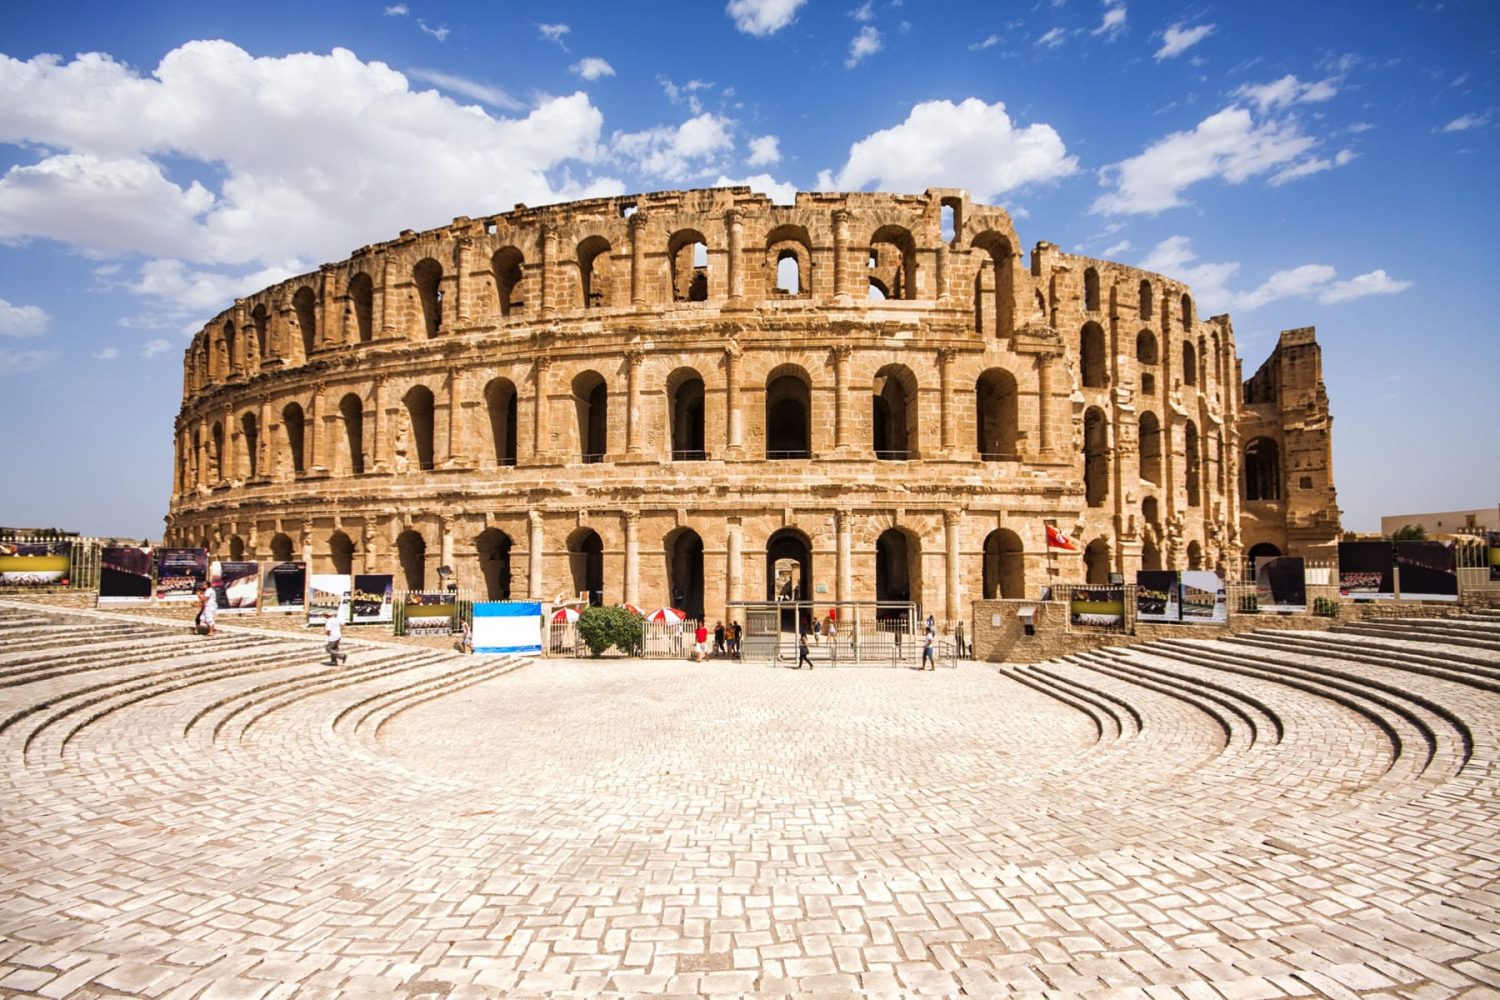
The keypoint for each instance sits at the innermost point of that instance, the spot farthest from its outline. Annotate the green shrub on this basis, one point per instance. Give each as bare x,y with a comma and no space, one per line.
1326,606
601,628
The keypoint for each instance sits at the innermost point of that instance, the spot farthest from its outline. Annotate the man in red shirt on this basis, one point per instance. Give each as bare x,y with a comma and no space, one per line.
700,643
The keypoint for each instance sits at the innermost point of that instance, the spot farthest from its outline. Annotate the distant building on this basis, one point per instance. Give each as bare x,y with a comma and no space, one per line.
1446,522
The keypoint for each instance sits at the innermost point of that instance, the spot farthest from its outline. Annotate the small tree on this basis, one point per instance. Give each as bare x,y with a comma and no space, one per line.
601,628
1409,533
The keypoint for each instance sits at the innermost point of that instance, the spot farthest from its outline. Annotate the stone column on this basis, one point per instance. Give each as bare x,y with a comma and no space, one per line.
230,470
445,528
327,310
841,256
369,545
549,266
733,570
632,556
947,409
845,558
539,409
455,423
952,533
263,468
841,355
733,420
633,358
943,293
307,545
534,554
388,299
461,290
377,426
735,222
637,259
1044,403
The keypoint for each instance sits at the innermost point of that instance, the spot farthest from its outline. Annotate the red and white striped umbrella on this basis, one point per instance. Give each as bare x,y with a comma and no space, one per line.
632,609
667,616
565,615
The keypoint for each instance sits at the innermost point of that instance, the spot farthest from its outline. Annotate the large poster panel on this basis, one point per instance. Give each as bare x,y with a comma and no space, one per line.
1494,547
1367,570
237,584
507,627
373,599
1428,571
180,573
285,587
1156,596
430,614
35,564
1281,583
1202,597
1098,606
327,596
125,573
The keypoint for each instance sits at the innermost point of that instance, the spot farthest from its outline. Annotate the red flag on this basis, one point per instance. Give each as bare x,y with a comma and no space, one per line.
1057,540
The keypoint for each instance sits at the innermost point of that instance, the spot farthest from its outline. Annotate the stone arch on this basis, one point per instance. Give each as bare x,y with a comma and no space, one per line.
232,358
685,395
789,546
789,260
788,413
420,423
352,414
895,425
898,566
1091,289
1187,311
1095,457
217,472
594,285
591,403
1192,463
250,435
341,552
1150,445
1262,469
1261,550
500,404
586,564
281,548
683,550
687,256
1147,304
493,547
427,275
304,304
293,423
1093,359
1195,555
362,304
236,548
1001,261
1189,363
1096,562
893,262
260,318
508,266
1004,572
411,552
1147,356
998,416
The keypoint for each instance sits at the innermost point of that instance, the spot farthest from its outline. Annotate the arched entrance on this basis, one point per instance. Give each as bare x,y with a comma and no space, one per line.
685,571
341,552
586,561
1004,566
789,570
1096,562
411,548
898,573
493,547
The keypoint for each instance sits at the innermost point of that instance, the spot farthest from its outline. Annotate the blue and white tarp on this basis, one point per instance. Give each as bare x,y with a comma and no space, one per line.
507,626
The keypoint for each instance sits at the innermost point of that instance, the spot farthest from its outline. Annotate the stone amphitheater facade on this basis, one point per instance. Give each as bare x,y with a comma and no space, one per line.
657,398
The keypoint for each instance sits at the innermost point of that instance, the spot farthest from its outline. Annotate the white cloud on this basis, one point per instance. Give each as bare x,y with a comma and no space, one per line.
864,44
864,13
678,93
1052,39
971,145
1375,282
440,33
1114,20
1174,257
1177,39
553,32
1297,281
1288,90
989,41
592,68
780,192
1115,248
1228,144
765,150
13,362
495,97
397,10
22,321
158,345
1465,122
197,290
106,354
694,148
1308,167
762,17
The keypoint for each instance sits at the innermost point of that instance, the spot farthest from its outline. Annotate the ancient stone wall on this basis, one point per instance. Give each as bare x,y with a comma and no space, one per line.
656,397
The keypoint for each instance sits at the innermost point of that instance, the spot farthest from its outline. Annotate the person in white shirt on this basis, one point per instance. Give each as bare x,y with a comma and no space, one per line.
334,633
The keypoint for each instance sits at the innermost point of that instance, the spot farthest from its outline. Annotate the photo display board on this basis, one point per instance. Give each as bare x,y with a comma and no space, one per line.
1156,596
1281,583
1367,570
1202,597
507,627
125,573
180,573
285,587
1429,571
1097,606
238,586
430,614
35,564
328,596
373,599
1494,556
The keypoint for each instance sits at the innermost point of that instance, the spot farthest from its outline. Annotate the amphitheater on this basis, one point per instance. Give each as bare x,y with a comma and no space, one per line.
1278,814
659,398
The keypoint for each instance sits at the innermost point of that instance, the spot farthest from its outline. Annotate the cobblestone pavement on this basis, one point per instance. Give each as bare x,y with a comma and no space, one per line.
227,818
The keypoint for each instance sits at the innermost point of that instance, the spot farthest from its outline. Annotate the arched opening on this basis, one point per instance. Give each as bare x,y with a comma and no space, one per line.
788,418
304,304
789,570
281,548
586,563
510,280
428,277
1095,457
1219,463
878,291
686,390
1091,290
250,435
493,547
997,311
898,566
1096,563
591,402
352,410
1150,433
1147,355
1187,311
893,260
261,319
687,253
1203,369
998,420
1147,302
1150,556
231,351
411,551
362,300
1189,364
1192,463
1092,362
292,422
789,254
341,552
894,395
1262,470
593,272
216,453
1195,555
236,548
685,571
1004,575
500,404
1261,550
789,273
419,418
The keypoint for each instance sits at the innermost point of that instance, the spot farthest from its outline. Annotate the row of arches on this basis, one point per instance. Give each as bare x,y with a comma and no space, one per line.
1146,301
1199,363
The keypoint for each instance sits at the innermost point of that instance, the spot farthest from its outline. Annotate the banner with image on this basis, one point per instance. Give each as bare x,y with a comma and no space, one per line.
237,585
430,614
1202,597
1100,607
1494,556
327,597
125,573
35,564
1281,583
180,573
1156,596
285,587
507,627
373,599
1367,570
1428,571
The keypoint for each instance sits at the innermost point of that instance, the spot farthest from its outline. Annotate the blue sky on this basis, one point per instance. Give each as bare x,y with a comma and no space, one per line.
1330,165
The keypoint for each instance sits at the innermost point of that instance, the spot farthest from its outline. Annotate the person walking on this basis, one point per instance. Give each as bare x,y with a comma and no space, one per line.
958,638
334,633
831,634
929,662
700,642
735,631
718,638
802,656
817,630
208,604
